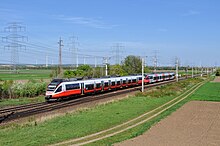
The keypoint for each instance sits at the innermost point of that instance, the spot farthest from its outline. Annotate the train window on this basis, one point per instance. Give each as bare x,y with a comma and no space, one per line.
89,87
133,80
106,84
72,86
140,78
118,82
129,81
150,77
59,89
113,83
98,85
155,78
124,81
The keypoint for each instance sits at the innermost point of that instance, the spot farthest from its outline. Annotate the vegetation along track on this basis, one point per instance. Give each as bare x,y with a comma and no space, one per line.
132,123
13,113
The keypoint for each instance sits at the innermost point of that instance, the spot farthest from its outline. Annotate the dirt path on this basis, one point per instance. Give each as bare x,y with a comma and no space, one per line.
196,123
217,79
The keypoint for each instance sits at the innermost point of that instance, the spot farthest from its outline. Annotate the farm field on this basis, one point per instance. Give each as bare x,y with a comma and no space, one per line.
100,117
196,123
25,74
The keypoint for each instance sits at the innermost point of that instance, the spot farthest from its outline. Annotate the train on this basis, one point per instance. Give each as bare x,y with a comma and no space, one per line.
59,89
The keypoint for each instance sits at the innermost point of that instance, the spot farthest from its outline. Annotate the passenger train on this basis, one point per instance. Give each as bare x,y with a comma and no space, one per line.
61,88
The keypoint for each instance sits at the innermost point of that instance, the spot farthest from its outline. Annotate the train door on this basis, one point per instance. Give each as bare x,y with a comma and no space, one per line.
109,84
82,88
102,84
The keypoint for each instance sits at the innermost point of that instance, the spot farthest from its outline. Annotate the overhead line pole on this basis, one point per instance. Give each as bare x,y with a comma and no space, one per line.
106,64
142,83
177,63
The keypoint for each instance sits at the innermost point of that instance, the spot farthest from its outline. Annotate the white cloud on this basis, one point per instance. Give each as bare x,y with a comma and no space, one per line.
191,13
91,22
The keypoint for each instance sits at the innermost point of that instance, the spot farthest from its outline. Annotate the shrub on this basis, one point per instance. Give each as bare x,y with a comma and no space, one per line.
217,73
14,90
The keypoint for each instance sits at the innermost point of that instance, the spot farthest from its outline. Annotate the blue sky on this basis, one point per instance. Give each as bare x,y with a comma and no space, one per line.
187,29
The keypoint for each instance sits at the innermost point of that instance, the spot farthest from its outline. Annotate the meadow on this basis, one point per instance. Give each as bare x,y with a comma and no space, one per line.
25,74
92,120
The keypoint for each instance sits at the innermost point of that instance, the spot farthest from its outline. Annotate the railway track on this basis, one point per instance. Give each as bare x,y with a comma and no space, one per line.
14,113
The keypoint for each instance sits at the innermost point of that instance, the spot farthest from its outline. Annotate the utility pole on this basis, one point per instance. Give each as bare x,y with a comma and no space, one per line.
95,62
15,41
84,59
142,83
192,71
105,60
201,71
177,64
74,51
46,61
60,54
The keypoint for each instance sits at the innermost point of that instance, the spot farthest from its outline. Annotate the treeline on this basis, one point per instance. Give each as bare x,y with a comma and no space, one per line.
131,65
32,88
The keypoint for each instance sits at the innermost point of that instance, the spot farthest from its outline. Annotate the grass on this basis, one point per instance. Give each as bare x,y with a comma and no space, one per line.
25,74
83,122
20,101
134,132
209,92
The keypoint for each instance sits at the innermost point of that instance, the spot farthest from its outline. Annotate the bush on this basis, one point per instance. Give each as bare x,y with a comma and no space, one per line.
217,73
15,90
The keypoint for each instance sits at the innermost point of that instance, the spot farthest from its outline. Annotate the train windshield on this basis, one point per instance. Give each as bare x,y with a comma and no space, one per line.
52,86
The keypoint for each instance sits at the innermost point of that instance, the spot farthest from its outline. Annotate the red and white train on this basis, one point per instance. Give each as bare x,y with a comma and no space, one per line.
62,88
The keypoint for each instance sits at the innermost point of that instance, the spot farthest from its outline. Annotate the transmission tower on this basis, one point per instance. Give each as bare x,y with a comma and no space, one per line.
60,53
74,50
155,60
15,41
117,48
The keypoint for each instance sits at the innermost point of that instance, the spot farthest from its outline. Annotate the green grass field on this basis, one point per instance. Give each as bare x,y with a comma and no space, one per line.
20,101
209,92
25,74
84,122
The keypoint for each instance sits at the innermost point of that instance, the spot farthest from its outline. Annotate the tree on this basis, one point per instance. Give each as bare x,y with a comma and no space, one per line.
117,70
132,64
84,68
218,73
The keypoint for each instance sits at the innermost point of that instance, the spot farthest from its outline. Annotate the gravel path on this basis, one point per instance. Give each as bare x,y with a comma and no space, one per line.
196,123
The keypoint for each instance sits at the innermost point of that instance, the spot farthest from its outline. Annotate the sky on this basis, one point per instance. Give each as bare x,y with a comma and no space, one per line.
186,29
